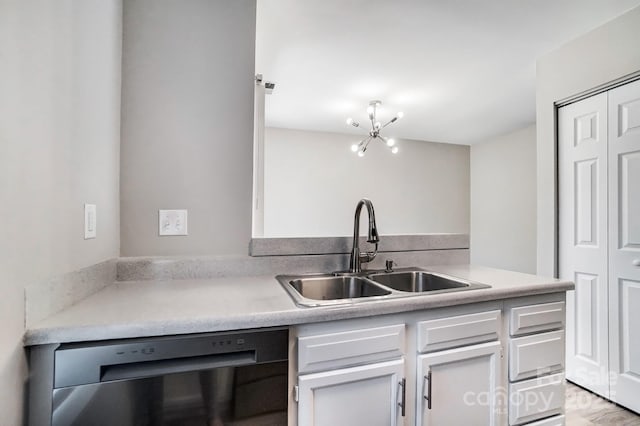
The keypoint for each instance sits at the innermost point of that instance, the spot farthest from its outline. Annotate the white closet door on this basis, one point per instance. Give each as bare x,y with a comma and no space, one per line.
624,244
582,159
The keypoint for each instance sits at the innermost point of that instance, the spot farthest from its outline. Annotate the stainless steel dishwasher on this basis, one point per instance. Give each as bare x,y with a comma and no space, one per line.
228,378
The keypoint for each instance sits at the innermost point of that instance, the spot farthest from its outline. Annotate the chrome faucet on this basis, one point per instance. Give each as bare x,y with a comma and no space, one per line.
357,258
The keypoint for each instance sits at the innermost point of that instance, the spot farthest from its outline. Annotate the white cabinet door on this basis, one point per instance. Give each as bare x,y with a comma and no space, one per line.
460,386
364,395
624,244
582,159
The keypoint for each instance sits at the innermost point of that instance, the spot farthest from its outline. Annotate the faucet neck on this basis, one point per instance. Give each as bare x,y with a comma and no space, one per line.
356,259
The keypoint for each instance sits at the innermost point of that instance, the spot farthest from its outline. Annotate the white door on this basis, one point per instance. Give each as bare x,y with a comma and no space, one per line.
582,185
460,387
366,395
624,244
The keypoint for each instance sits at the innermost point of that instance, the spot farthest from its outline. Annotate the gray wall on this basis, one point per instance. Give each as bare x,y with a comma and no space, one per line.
503,201
187,124
59,148
596,58
312,183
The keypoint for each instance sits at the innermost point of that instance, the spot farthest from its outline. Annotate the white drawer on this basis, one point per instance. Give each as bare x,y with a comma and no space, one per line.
343,349
536,398
551,421
536,355
535,318
458,331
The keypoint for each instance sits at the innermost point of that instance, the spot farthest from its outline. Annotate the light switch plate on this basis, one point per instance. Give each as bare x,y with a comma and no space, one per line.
172,222
90,221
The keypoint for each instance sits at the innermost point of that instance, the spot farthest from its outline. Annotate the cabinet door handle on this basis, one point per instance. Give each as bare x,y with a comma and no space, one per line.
403,396
428,398
635,262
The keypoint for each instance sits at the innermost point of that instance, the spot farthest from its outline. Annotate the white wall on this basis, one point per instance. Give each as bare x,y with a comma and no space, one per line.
187,124
59,148
503,201
312,183
603,55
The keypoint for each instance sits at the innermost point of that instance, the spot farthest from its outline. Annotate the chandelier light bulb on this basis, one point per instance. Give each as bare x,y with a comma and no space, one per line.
360,153
391,142
354,147
400,115
370,110
394,150
349,121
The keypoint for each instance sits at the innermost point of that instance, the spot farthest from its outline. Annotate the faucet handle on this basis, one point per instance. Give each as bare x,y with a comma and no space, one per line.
389,265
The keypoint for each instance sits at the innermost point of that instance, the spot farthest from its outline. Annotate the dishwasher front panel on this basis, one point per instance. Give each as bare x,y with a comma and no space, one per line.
246,395
210,379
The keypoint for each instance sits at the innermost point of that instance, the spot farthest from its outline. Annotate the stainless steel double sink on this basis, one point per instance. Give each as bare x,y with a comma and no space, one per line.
345,288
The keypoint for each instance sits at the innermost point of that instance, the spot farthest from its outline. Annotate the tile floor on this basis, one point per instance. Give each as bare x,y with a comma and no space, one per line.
584,408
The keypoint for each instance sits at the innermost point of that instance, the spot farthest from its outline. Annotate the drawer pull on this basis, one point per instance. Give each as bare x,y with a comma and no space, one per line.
403,397
427,378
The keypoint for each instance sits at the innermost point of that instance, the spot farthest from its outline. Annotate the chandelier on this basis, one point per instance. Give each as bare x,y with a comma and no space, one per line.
374,133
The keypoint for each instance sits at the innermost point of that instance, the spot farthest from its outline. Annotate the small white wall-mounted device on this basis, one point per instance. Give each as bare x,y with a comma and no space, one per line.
89,221
172,222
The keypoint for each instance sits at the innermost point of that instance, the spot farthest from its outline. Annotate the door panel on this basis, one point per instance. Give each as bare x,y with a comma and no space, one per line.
629,330
582,159
463,389
366,395
624,244
585,213
535,399
629,201
586,314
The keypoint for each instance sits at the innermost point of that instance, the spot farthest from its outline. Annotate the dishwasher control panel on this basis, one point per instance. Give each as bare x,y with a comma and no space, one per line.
95,362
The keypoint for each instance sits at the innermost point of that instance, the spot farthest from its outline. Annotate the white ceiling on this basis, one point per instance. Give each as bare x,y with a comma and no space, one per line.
462,71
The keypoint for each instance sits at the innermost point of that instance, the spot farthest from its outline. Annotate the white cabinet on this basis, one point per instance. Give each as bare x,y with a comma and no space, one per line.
351,375
459,330
599,240
536,361
447,366
369,395
459,386
536,318
535,355
536,399
343,348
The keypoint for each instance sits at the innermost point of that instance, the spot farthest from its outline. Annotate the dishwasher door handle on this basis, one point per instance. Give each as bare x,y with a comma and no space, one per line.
138,370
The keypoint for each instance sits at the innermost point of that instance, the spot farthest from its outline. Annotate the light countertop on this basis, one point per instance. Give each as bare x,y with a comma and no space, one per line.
130,309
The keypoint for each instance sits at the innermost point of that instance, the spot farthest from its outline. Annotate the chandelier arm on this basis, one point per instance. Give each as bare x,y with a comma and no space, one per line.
393,120
366,143
363,142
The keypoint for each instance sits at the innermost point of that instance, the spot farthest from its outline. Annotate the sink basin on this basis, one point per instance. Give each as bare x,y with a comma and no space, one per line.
345,288
422,281
323,290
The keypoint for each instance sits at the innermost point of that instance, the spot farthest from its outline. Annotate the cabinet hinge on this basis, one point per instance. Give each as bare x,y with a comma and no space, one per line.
296,393
501,352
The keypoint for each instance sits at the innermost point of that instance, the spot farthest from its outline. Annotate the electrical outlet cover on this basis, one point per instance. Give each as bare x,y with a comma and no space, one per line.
172,222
